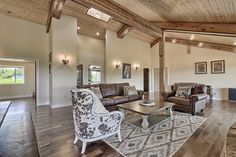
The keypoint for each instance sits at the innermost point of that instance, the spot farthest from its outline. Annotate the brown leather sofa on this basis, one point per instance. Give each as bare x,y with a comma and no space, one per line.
113,94
196,101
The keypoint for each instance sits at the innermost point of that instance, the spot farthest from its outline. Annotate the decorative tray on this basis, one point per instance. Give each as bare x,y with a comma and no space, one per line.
147,103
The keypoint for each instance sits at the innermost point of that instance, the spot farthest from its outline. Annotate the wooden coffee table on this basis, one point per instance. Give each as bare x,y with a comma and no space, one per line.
150,116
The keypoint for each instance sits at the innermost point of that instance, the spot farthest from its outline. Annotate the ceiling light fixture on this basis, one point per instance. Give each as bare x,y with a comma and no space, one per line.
192,37
78,27
98,14
97,33
173,41
235,42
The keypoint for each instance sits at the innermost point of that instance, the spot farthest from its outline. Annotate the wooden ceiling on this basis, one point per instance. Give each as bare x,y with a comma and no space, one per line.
193,15
214,11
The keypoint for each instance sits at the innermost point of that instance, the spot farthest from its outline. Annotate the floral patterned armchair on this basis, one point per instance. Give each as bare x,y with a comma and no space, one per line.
91,120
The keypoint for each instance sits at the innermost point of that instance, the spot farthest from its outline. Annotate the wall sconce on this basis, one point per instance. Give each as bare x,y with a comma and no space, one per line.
136,67
65,61
117,65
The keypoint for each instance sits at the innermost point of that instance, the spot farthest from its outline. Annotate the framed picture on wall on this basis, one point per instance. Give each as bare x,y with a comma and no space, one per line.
126,71
218,67
201,68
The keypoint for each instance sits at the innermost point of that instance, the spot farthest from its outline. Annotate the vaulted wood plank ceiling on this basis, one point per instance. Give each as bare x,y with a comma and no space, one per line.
163,13
214,11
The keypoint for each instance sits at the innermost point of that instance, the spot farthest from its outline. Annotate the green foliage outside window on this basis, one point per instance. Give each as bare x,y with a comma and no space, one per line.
11,75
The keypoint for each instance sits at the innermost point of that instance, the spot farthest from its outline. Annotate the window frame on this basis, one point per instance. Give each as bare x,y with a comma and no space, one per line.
15,67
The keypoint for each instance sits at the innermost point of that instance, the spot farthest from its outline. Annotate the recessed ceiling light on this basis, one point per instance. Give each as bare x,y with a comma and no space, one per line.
200,44
98,14
173,41
97,33
235,42
192,37
78,27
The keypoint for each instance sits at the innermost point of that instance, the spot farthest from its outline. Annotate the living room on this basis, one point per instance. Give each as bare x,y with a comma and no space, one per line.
76,38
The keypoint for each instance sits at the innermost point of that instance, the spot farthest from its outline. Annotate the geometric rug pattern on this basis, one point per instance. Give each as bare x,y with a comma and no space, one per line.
162,140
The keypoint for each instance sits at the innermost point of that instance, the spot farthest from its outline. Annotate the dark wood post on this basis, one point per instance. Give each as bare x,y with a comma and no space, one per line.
162,66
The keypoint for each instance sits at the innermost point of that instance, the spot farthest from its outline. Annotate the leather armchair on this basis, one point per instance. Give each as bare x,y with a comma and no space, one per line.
196,101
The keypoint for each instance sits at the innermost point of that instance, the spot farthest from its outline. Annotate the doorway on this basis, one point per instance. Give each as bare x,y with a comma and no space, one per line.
80,74
146,79
18,79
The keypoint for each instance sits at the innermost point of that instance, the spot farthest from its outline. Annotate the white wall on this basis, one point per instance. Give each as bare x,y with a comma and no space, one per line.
64,42
22,39
181,67
9,91
126,50
91,51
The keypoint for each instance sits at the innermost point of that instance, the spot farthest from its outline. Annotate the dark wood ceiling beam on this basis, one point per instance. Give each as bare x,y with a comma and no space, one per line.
123,31
54,11
155,42
207,45
123,15
199,27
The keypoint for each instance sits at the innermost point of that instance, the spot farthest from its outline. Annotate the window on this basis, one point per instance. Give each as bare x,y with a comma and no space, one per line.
94,74
98,14
12,75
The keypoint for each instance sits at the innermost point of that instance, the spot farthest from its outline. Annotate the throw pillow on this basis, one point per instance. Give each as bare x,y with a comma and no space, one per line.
96,91
98,107
183,92
130,90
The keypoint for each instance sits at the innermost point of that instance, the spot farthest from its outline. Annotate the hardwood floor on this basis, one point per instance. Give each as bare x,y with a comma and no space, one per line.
55,133
17,135
208,140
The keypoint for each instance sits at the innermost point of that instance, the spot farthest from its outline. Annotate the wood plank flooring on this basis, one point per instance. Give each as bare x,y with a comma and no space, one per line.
4,106
55,132
55,135
17,135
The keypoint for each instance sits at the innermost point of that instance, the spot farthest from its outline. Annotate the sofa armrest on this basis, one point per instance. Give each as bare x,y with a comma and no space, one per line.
198,97
140,92
168,94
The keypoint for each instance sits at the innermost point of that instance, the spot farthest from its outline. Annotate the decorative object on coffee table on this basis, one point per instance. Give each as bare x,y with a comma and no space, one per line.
201,68
218,67
147,103
126,71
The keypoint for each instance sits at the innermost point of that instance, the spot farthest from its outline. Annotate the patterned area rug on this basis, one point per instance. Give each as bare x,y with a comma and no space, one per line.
162,140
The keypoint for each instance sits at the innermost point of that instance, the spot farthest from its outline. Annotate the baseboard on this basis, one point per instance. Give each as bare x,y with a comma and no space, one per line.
43,104
215,98
61,105
15,97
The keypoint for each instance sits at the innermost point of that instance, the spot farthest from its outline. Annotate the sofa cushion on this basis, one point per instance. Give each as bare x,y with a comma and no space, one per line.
120,88
134,97
108,90
107,101
96,91
179,101
130,90
200,88
183,92
120,99
176,85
